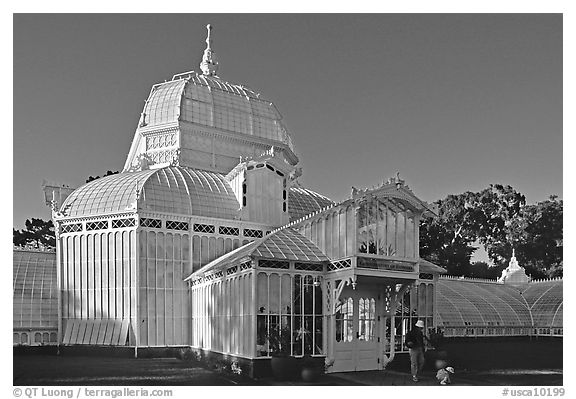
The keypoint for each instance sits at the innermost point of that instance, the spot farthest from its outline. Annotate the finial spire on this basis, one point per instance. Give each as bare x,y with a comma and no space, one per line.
209,65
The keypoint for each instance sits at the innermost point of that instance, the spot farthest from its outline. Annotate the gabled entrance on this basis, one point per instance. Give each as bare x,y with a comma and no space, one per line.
357,330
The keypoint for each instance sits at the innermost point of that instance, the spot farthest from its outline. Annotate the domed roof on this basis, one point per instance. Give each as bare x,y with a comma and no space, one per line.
213,102
205,122
172,189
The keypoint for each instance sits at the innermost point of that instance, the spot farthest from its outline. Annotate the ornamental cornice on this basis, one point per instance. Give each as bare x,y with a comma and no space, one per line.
205,220
191,127
91,218
158,132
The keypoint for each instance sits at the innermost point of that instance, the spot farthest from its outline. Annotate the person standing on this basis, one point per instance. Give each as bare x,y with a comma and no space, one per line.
415,343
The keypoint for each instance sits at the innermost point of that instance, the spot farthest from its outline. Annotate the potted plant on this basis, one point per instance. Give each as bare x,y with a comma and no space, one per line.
284,366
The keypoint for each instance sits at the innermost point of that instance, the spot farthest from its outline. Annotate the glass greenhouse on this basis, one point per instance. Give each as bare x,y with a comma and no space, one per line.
206,240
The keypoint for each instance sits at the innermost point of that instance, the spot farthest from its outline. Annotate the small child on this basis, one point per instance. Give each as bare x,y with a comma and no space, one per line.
443,375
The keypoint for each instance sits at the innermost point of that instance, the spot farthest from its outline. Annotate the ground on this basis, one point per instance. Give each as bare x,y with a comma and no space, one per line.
81,370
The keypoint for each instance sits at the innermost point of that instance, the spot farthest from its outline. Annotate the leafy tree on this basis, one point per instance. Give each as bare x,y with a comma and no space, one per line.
498,224
484,270
37,234
541,249
108,173
447,239
499,219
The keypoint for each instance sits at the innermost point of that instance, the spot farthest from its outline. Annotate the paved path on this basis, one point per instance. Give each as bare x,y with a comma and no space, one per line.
76,370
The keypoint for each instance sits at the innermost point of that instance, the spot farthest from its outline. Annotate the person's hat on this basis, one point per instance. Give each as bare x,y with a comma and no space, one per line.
420,324
450,370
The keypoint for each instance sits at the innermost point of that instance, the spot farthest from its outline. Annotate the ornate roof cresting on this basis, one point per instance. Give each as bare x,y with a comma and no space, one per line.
209,65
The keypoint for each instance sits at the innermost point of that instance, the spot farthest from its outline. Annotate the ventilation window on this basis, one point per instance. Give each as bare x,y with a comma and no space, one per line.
273,264
204,228
271,168
71,228
313,267
120,223
151,223
252,233
176,225
100,225
279,173
284,207
229,231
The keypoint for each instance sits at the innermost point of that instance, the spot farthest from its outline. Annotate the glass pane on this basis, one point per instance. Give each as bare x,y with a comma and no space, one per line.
262,293
318,335
285,301
274,293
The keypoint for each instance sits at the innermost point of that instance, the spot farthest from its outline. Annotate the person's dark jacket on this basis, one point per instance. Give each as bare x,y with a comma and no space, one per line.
415,338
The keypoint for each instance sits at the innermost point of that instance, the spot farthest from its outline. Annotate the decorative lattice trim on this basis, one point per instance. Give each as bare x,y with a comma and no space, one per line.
273,264
229,231
176,225
343,264
253,233
71,228
231,270
204,228
120,223
313,267
99,225
160,141
245,266
151,223
426,276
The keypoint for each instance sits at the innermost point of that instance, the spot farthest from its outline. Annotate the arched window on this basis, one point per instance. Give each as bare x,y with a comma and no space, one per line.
344,321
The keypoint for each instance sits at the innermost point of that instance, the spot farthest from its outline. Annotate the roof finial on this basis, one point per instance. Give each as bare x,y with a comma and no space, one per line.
209,65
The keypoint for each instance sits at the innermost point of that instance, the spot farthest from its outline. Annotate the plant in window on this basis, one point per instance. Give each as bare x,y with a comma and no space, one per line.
279,339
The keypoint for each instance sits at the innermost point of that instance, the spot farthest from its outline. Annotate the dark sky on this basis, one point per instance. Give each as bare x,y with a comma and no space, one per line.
453,102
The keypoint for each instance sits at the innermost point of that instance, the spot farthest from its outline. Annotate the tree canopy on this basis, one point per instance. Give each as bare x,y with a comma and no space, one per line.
37,234
498,219
108,173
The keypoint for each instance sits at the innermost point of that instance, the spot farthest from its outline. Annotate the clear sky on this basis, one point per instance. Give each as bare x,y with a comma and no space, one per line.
453,102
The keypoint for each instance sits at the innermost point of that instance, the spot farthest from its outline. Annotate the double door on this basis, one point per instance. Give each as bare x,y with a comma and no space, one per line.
356,330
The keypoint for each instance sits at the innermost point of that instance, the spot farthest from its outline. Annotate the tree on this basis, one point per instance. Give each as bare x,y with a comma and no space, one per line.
498,222
108,173
541,249
499,219
37,234
447,239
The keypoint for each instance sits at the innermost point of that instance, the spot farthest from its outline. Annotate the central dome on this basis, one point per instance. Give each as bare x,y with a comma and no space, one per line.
209,101
201,121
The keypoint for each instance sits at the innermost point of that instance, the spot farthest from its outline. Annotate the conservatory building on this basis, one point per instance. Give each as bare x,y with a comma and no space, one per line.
325,285
207,240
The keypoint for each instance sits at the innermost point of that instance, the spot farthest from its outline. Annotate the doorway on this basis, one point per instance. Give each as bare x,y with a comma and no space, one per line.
357,330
